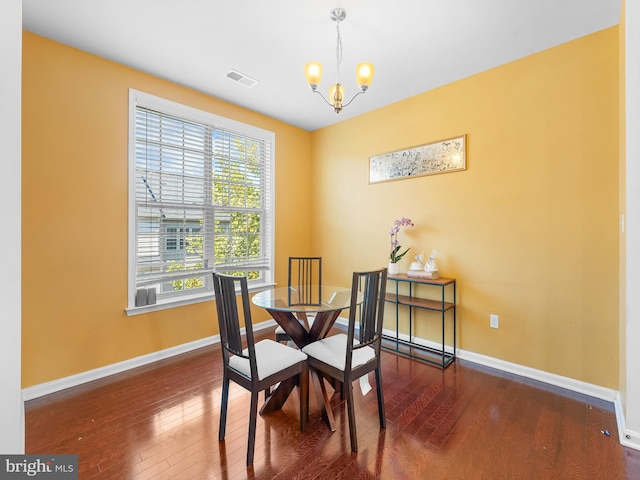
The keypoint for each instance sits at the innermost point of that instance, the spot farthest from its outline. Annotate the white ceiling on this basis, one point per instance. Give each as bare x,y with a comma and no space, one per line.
415,45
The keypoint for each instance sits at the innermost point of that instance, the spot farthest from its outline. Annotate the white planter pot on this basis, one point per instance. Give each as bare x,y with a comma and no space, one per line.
393,269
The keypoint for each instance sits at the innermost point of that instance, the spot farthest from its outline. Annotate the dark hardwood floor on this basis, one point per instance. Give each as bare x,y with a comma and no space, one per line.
466,422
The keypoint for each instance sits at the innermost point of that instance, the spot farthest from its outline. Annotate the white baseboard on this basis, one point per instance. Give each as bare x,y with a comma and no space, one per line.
53,386
546,377
628,438
542,376
527,372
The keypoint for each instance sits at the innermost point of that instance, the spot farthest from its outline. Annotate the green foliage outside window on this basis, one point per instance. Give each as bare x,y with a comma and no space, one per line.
236,196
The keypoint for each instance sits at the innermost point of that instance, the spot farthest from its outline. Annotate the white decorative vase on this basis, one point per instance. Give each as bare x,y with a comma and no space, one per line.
393,268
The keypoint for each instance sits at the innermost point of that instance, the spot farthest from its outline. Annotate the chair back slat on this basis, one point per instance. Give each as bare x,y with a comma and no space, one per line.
305,280
370,289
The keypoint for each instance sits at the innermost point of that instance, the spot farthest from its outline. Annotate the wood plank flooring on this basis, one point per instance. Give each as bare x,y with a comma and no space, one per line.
466,422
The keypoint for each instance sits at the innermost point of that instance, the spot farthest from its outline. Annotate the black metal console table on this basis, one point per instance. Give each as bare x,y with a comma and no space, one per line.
403,296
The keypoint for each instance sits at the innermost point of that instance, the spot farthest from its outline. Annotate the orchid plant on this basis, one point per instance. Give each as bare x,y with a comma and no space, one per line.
396,255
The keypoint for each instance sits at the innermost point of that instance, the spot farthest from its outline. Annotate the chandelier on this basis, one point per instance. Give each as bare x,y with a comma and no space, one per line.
313,71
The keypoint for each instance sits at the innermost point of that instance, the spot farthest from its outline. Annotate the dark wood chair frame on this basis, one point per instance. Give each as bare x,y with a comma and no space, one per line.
305,276
231,342
369,318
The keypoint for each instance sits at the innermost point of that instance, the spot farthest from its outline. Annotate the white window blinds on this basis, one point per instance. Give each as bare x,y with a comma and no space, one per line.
239,186
202,200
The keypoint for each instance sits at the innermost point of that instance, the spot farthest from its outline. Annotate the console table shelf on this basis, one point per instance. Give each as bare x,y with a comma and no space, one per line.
446,302
419,302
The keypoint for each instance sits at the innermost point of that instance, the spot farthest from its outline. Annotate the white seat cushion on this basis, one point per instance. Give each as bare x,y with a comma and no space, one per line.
271,358
333,350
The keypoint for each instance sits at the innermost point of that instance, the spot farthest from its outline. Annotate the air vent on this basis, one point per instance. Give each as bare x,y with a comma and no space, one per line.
241,78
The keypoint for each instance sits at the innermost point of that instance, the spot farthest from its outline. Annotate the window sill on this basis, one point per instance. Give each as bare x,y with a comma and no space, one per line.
186,300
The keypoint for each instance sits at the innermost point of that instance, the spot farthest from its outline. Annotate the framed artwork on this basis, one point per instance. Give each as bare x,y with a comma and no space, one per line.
430,159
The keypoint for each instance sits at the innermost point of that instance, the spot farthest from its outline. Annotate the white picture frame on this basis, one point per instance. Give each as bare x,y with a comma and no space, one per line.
430,159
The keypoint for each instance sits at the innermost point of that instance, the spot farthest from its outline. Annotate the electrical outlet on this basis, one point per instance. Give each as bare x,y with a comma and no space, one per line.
494,320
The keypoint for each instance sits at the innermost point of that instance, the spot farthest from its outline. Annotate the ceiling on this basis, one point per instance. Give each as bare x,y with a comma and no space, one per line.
415,45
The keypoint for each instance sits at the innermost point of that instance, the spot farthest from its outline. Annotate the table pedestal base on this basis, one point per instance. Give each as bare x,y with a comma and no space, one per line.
301,337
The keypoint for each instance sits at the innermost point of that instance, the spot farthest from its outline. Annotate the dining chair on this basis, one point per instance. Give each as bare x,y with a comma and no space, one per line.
347,357
305,288
258,366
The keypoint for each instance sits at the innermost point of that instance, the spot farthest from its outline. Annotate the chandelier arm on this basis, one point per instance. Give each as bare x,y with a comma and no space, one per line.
347,104
324,98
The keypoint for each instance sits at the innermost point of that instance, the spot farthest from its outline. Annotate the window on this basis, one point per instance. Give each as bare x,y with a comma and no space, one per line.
200,200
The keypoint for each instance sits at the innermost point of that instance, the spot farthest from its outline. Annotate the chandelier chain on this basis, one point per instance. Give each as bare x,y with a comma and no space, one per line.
338,51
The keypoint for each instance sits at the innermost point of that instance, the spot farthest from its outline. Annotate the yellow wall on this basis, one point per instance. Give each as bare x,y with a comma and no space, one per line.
530,229
74,267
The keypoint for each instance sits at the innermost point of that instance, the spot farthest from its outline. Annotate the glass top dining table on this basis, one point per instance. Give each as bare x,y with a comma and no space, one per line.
287,305
324,298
